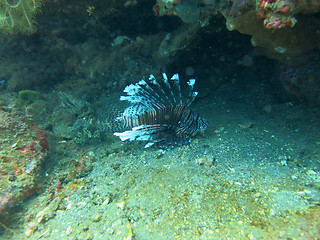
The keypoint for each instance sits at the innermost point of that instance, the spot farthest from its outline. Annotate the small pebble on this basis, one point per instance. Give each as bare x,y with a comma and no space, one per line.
85,227
96,217
107,201
68,231
121,205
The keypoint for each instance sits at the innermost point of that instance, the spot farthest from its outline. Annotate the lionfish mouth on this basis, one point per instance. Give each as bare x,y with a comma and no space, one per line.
159,113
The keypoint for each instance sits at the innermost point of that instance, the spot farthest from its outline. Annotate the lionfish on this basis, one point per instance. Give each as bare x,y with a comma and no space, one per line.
159,112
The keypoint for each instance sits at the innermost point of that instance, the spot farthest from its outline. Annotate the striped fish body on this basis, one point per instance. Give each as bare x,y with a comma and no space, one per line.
159,112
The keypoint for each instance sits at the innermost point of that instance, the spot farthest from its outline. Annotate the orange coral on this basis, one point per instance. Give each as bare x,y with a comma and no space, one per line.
293,45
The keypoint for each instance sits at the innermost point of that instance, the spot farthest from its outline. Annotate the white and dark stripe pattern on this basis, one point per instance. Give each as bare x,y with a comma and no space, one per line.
159,112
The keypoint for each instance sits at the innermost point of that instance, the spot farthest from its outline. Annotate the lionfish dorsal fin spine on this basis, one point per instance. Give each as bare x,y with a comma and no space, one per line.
162,92
191,98
152,79
146,95
192,94
170,88
148,91
165,77
169,94
175,79
158,91
157,100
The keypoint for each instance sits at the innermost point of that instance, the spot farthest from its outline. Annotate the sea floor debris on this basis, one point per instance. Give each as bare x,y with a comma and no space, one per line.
242,183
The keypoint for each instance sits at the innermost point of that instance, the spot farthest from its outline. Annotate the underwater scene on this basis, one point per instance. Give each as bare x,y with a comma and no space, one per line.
160,119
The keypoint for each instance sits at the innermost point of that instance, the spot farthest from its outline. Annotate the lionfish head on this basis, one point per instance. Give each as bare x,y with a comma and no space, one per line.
202,124
191,124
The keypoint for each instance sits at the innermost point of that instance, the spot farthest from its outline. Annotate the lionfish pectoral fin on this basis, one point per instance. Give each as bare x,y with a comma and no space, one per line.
132,135
149,144
141,133
123,136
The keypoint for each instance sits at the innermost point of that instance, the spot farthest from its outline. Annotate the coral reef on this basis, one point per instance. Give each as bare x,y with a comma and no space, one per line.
294,45
23,148
276,31
18,16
